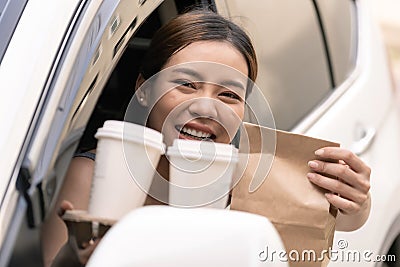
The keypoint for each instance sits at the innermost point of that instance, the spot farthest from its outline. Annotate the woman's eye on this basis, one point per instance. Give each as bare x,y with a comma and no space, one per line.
190,85
185,84
230,95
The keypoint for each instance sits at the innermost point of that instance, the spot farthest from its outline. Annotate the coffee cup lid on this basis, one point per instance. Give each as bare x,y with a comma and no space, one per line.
206,150
131,132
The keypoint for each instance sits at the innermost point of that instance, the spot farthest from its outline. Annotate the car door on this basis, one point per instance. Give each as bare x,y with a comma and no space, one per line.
364,117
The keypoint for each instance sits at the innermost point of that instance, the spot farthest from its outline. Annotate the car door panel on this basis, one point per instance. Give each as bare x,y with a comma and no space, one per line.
368,103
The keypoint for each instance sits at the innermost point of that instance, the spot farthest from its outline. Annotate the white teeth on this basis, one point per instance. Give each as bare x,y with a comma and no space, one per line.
195,133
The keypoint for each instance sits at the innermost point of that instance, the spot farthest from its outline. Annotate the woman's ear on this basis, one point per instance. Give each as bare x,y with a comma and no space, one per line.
141,93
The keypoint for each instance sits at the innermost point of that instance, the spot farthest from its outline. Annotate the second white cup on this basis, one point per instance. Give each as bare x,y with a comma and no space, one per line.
200,173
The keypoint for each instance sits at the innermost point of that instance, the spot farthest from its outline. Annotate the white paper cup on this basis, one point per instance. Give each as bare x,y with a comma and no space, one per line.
127,155
200,173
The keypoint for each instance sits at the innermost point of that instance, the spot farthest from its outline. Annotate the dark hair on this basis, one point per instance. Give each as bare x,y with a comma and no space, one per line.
193,26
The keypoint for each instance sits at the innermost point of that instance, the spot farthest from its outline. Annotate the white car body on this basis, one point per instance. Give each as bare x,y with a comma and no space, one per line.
48,65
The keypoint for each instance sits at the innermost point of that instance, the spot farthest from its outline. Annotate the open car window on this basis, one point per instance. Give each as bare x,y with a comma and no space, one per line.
304,51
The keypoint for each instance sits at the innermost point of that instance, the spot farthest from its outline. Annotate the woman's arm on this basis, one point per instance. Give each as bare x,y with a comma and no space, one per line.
76,190
350,191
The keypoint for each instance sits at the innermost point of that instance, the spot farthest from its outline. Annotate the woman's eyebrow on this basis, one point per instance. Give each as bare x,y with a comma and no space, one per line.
189,72
232,83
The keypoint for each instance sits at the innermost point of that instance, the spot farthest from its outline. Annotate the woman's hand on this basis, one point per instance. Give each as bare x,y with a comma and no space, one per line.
73,254
350,191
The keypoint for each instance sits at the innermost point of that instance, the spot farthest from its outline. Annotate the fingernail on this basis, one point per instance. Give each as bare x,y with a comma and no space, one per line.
328,195
313,164
310,175
319,152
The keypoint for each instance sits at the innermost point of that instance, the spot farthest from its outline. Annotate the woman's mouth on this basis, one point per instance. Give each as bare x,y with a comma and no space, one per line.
187,132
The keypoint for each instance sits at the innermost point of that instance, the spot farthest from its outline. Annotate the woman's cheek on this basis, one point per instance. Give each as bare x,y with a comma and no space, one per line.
157,116
164,115
231,123
240,112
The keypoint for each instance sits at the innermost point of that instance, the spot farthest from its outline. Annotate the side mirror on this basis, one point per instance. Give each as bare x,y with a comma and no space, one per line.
165,236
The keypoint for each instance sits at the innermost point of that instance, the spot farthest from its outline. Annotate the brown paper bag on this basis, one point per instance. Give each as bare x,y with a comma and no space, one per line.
298,209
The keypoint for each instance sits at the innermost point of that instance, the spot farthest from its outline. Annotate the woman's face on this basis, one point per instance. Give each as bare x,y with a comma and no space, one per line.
199,94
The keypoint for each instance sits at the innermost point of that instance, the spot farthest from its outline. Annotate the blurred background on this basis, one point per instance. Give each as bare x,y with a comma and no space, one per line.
387,13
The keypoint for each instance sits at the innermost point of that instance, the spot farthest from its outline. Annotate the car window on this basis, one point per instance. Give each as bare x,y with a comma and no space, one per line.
294,73
339,20
305,49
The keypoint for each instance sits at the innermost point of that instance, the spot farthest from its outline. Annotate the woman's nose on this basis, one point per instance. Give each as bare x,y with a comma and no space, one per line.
204,107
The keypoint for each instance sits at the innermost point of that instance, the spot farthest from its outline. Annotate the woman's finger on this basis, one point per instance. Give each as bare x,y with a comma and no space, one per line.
333,169
337,153
344,205
343,172
64,206
338,187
